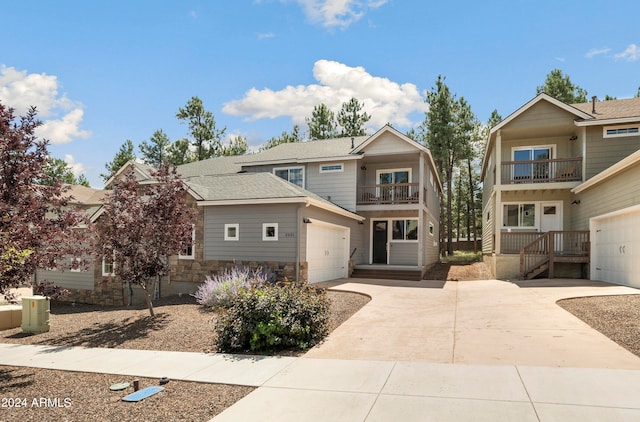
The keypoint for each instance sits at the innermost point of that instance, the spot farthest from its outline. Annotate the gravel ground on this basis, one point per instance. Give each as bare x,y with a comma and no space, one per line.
617,317
88,396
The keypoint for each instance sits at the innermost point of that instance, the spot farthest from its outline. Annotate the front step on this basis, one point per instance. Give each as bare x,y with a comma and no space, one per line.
410,275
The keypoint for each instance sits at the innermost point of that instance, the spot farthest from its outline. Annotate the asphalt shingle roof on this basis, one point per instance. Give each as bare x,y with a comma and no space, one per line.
612,109
247,186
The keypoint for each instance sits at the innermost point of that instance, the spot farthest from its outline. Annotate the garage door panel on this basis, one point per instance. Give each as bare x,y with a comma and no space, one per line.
616,248
327,252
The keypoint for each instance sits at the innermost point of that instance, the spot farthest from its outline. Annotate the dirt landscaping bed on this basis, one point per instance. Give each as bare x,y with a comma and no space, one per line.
180,325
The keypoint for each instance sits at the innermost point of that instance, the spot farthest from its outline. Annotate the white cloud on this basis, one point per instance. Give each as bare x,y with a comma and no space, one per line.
596,52
61,116
632,53
337,13
386,101
76,168
267,35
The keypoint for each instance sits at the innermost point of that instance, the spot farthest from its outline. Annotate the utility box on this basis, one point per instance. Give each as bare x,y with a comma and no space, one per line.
35,314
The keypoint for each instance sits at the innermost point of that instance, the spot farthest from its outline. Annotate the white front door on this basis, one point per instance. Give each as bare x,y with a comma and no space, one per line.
550,216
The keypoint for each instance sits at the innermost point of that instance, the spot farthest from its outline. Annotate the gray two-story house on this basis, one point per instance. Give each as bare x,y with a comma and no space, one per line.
561,191
315,211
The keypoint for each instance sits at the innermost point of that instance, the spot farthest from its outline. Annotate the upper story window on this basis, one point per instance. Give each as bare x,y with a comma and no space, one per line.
528,169
619,131
332,168
294,175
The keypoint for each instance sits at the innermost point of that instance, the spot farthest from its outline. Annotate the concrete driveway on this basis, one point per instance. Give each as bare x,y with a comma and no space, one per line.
474,322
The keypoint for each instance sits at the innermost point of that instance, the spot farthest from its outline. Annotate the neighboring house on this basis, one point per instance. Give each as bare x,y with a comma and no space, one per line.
86,285
312,211
561,191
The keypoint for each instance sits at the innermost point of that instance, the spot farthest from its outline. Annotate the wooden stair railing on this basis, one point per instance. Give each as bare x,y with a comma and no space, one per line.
534,257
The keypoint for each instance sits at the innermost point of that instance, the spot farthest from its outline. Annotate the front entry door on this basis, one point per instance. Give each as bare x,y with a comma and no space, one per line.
380,242
550,216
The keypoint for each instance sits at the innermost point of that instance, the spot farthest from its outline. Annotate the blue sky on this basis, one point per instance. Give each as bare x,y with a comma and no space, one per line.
103,72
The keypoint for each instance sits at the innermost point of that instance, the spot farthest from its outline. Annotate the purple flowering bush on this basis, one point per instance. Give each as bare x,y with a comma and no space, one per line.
220,290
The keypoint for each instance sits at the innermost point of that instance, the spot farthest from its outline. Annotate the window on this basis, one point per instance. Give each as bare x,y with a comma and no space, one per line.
270,231
294,175
528,169
187,252
332,168
618,131
108,266
431,228
232,232
404,230
519,215
393,177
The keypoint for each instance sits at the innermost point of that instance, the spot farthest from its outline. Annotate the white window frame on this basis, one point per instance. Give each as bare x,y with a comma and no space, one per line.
193,245
404,240
552,150
431,228
266,238
380,171
226,232
620,135
536,215
289,168
340,168
113,268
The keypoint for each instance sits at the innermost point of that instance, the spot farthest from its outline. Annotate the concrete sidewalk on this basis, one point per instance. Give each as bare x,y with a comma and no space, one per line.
295,389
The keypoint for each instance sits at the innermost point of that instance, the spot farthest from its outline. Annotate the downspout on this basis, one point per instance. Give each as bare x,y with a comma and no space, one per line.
298,231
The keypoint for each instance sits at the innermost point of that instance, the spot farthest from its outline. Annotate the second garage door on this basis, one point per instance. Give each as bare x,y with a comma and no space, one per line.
615,247
327,251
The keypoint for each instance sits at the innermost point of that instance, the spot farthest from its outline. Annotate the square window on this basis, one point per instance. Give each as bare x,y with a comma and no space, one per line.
294,175
270,231
431,228
231,232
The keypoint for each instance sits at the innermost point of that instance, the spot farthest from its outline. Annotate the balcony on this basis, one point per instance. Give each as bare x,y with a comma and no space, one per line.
542,171
383,194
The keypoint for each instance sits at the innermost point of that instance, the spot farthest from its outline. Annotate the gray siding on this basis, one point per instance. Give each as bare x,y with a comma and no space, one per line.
82,280
402,253
604,152
618,192
250,247
542,115
488,226
356,232
339,188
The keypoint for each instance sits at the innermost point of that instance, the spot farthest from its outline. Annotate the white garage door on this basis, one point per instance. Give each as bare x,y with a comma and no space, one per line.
615,247
327,251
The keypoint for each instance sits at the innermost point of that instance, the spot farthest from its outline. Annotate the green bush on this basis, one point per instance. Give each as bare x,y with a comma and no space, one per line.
269,318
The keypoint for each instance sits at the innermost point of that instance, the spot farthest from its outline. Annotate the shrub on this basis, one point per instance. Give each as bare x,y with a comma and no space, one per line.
270,318
50,290
220,290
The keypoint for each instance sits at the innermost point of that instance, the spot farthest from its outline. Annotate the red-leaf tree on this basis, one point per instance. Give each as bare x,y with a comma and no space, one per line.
38,227
142,225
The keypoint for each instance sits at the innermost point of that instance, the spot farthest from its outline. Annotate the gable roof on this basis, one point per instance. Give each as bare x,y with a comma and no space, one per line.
387,128
611,111
257,188
143,172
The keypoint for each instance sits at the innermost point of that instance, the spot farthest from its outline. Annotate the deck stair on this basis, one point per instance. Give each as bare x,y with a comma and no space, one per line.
552,247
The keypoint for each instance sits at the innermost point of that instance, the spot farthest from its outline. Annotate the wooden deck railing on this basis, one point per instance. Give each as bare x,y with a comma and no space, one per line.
555,246
513,242
396,193
542,171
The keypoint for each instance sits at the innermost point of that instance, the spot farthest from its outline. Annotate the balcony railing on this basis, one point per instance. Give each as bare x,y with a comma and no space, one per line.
397,193
542,171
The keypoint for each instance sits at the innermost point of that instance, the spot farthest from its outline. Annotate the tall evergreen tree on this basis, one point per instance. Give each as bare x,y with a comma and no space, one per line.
123,156
322,123
58,169
352,119
284,138
559,86
155,151
202,129
237,146
179,153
